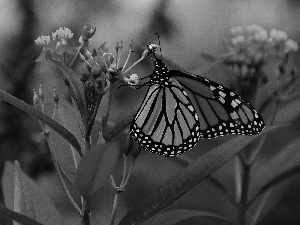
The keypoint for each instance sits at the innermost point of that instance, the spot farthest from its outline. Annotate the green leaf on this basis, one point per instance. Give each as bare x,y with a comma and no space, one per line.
18,217
22,200
68,116
255,211
76,91
272,172
179,215
8,185
95,168
288,111
188,178
66,156
31,201
42,116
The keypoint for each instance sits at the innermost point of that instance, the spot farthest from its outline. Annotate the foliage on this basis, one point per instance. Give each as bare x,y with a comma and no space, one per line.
86,165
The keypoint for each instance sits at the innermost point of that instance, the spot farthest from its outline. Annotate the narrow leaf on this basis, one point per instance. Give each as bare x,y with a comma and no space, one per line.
42,116
66,156
24,220
188,178
95,168
179,215
76,91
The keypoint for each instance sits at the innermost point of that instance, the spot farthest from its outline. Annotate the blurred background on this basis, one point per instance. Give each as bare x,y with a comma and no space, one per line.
186,29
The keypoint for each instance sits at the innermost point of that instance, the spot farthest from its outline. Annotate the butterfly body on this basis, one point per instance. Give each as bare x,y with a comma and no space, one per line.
180,107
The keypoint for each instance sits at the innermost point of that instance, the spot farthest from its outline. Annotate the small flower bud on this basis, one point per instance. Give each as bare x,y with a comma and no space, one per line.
35,99
121,45
55,96
131,43
117,46
43,40
85,74
108,58
104,47
133,79
96,71
88,32
41,93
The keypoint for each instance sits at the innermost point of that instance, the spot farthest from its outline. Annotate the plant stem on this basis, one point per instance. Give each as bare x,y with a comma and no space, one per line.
85,219
75,57
87,146
114,210
243,206
85,216
129,172
105,133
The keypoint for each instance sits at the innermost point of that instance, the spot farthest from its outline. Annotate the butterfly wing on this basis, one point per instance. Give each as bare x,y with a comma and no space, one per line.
166,123
220,111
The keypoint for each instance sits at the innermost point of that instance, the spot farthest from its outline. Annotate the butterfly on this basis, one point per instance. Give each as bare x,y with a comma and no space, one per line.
181,107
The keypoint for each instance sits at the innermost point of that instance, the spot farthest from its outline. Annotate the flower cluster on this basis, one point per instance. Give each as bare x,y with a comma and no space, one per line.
92,68
59,41
62,35
43,40
253,44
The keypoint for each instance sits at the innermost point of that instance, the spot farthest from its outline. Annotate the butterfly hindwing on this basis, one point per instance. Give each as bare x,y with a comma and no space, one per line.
220,110
166,123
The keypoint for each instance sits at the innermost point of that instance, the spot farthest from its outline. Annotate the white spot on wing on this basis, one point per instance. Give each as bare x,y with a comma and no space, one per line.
221,100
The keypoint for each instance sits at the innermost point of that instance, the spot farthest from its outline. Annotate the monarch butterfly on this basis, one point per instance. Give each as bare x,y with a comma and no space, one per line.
181,107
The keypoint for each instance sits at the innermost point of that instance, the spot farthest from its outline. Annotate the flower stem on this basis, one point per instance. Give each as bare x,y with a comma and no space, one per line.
75,57
243,206
120,189
129,172
114,210
85,216
105,131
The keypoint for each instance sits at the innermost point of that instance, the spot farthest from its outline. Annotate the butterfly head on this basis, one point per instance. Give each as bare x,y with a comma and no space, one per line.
160,74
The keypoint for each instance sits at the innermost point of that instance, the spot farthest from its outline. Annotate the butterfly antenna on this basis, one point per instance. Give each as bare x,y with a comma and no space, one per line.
136,52
159,45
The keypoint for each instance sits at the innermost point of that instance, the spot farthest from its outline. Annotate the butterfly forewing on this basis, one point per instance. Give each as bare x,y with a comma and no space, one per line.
220,110
166,122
